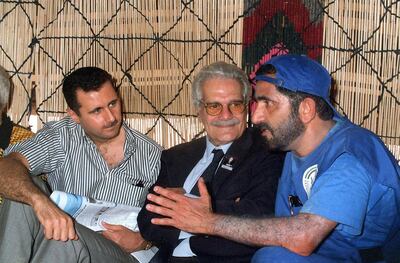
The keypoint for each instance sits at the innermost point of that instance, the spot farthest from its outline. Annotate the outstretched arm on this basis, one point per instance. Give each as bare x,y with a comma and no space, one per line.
300,234
16,184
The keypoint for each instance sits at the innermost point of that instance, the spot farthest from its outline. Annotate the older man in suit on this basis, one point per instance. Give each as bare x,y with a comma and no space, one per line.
240,173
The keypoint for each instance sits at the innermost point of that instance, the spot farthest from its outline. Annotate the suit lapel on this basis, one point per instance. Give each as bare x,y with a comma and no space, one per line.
232,159
190,158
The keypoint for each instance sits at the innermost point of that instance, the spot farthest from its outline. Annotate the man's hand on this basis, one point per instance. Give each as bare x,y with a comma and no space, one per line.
189,214
16,184
56,223
127,239
178,190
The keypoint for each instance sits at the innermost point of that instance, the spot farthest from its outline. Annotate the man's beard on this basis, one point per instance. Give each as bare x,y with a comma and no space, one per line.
285,133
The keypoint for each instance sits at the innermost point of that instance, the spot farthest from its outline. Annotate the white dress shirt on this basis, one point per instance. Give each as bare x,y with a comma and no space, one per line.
183,249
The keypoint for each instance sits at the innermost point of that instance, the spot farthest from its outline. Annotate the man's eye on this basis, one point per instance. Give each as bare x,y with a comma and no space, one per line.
266,103
270,102
237,104
96,111
213,106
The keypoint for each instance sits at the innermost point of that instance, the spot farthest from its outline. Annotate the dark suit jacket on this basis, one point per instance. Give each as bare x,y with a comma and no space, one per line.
253,179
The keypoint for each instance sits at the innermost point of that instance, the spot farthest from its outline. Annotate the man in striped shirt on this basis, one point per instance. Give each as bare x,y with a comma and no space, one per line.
92,152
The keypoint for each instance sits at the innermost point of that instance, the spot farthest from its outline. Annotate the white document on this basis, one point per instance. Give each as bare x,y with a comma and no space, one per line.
91,213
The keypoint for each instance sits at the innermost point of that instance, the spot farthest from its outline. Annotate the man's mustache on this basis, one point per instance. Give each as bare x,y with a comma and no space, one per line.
111,124
223,123
262,126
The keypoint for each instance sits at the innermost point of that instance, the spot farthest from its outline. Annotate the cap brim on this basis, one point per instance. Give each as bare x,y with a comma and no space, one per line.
280,83
275,81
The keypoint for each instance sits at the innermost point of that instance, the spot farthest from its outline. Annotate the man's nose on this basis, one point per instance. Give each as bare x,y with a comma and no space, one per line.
109,115
226,112
257,114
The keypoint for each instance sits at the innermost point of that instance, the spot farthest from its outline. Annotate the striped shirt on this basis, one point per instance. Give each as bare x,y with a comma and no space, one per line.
73,164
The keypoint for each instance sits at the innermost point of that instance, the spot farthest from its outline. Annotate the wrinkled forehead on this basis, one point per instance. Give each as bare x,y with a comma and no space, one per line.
104,94
263,88
222,89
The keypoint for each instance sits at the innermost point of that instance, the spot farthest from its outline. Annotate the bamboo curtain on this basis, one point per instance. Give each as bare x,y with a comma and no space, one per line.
154,48
365,62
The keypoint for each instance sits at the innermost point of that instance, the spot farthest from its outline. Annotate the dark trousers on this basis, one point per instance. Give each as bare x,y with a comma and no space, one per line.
183,260
164,256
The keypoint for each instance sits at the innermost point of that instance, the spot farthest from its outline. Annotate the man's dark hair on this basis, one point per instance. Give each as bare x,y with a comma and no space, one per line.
87,79
323,110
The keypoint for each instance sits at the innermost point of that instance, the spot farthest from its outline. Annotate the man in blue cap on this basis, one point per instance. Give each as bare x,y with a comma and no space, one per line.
338,198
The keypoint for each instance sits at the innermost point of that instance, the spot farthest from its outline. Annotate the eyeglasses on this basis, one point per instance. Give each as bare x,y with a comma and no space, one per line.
215,108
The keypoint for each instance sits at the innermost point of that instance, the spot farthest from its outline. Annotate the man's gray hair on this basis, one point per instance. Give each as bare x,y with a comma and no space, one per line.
219,70
5,87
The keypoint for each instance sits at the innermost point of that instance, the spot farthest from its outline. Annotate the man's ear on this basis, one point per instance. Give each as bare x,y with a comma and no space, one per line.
73,115
307,110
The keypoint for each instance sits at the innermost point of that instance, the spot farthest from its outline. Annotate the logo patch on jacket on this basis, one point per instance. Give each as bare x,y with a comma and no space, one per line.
309,177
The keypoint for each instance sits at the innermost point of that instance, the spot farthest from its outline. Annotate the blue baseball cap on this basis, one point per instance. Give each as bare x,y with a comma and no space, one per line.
300,73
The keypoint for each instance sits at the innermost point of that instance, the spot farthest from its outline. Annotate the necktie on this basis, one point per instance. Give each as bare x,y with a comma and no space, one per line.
209,172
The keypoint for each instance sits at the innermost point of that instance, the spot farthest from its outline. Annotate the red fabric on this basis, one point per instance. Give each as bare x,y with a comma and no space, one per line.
298,15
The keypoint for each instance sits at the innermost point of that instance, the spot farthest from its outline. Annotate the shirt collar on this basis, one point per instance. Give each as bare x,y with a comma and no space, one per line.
130,141
210,147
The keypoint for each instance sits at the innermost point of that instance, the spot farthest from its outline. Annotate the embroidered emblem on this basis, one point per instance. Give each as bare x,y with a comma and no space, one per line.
229,163
309,177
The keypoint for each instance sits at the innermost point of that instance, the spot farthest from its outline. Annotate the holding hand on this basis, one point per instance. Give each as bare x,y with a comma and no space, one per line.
127,239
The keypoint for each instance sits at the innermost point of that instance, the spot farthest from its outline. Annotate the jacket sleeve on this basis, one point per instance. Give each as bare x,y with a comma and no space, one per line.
217,249
160,235
257,200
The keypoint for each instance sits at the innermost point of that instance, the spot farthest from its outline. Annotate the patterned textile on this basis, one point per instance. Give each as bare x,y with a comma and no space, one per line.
20,133
280,27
